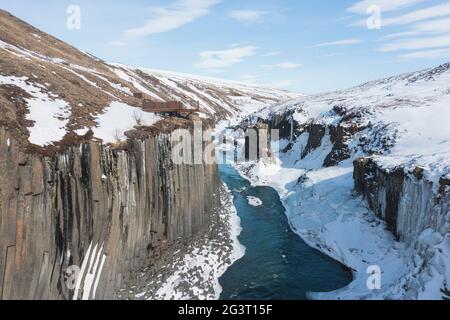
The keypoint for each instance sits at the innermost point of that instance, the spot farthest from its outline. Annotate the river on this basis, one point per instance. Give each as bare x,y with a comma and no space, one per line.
278,264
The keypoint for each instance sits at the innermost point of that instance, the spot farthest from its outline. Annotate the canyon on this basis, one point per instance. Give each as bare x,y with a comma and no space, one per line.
363,174
93,206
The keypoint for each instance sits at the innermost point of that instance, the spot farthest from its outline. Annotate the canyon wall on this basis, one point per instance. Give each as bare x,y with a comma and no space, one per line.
96,212
407,201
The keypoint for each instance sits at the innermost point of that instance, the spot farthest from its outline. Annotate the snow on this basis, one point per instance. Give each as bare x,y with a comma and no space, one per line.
320,202
119,118
235,97
48,126
48,113
414,106
135,80
254,201
90,273
82,77
118,86
325,213
27,54
201,267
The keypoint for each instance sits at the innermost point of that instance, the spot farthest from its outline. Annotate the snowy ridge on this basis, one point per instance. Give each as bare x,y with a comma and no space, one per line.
413,108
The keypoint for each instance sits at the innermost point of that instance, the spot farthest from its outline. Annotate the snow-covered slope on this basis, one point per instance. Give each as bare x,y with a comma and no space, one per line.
50,91
220,98
410,112
389,141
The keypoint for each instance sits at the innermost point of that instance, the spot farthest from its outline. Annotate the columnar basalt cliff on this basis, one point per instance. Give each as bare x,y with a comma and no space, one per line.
107,211
408,201
417,211
289,129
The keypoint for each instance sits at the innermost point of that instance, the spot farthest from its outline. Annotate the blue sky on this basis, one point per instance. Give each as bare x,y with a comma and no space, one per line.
303,45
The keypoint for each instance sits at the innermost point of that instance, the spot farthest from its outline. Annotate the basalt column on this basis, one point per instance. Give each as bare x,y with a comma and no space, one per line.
74,225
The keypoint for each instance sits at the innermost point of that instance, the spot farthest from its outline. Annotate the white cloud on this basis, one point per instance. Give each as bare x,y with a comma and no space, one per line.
417,44
419,15
427,38
247,15
332,54
272,54
224,58
173,16
385,5
289,65
434,26
437,11
283,65
117,43
239,44
401,35
426,54
340,43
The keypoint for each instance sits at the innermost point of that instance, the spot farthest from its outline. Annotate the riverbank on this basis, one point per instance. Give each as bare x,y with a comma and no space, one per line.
192,272
278,264
324,212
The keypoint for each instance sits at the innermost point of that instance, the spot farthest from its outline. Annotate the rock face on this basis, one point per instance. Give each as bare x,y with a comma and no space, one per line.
316,134
407,201
96,210
340,132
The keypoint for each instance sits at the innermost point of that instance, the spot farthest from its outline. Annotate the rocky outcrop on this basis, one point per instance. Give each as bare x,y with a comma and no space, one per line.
95,211
316,134
382,190
406,200
417,211
340,132
287,127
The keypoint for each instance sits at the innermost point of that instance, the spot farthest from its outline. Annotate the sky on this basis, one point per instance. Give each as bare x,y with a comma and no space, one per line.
300,45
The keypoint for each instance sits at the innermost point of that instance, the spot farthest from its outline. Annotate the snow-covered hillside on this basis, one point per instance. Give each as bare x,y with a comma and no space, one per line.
389,140
50,90
220,98
410,112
